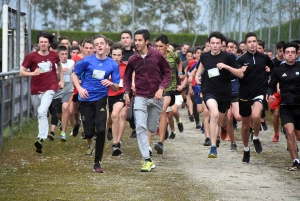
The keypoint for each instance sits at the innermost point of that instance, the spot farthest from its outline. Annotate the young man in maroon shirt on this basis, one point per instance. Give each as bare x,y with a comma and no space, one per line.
41,66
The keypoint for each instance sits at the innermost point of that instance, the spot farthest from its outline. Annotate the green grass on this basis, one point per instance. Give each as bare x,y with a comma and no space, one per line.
62,172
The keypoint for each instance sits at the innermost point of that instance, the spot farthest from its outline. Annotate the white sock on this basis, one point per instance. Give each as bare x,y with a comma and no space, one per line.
255,137
246,148
296,159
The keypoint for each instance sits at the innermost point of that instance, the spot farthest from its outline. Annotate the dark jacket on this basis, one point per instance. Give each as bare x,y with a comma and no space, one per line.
151,73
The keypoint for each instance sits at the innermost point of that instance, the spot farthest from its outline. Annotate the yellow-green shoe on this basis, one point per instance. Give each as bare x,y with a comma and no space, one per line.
147,166
63,137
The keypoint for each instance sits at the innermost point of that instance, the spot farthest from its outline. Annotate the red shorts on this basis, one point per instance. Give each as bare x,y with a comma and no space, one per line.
275,104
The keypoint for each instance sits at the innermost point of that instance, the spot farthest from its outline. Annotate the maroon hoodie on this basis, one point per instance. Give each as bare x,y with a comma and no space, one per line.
151,73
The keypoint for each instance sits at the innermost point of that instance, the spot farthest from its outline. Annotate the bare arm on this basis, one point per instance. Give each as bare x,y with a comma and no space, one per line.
25,73
238,72
61,75
199,73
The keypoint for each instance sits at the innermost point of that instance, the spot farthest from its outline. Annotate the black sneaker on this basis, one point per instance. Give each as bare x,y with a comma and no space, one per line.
180,126
39,145
218,141
246,157
264,126
295,166
133,134
98,168
116,150
198,126
167,134
109,134
75,130
191,117
207,142
172,136
51,136
257,146
233,147
83,136
159,147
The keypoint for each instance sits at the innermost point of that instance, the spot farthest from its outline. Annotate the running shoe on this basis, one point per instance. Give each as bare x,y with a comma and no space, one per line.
51,136
180,126
257,146
173,135
116,150
191,117
233,147
275,138
246,157
63,137
213,152
198,126
83,136
147,166
133,134
89,151
207,142
159,147
218,141
109,134
223,133
98,168
75,130
295,166
202,129
264,126
39,145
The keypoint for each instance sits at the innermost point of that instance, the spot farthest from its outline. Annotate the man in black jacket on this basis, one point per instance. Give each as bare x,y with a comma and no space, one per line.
288,77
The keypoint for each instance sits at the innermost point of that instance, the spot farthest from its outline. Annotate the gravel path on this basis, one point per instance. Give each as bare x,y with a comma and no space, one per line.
265,178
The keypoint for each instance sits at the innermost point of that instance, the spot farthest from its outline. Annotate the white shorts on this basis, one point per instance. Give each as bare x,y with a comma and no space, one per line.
178,101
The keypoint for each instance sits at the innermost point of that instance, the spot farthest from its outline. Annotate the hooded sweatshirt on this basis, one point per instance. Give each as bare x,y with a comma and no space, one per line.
151,73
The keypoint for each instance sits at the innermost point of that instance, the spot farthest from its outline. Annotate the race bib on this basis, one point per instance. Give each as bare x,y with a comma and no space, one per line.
98,74
121,83
213,72
45,66
67,78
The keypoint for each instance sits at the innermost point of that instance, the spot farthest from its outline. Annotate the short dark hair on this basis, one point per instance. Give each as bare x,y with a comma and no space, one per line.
62,48
291,44
117,46
250,34
280,45
163,38
126,31
99,36
109,42
75,40
242,42
144,32
75,47
47,35
87,40
217,35
196,48
185,43
54,45
261,43
190,51
63,38
296,41
239,51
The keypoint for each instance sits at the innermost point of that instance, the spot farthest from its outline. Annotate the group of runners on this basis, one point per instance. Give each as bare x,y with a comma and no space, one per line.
146,82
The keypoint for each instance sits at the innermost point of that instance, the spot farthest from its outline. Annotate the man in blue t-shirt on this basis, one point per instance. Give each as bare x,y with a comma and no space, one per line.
94,72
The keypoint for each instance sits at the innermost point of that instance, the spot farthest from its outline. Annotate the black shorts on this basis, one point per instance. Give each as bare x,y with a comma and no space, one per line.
234,98
57,106
75,98
93,115
245,105
114,99
290,114
223,106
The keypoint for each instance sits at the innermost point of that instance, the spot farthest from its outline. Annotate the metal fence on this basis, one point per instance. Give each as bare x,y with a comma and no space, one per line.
15,102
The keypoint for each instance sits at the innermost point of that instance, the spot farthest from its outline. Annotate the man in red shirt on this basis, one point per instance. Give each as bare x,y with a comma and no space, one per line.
41,67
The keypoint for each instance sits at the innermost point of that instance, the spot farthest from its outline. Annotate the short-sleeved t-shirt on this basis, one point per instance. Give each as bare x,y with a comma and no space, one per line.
215,81
75,59
92,70
122,67
173,59
47,80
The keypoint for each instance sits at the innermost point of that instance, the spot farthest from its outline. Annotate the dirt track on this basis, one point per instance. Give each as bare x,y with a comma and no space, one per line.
265,178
